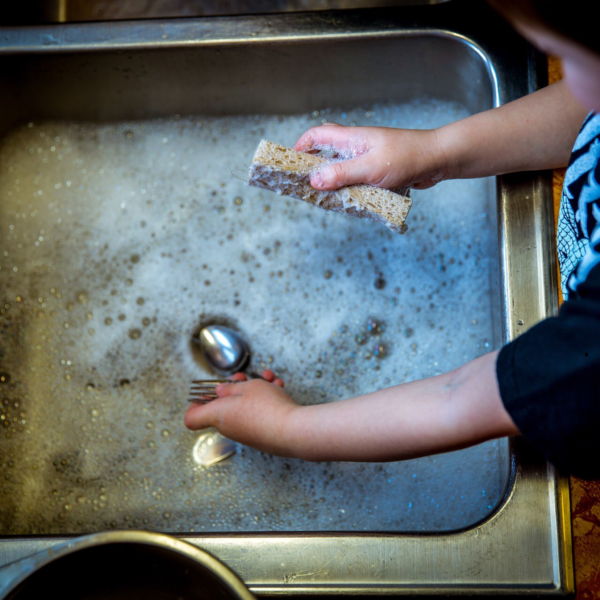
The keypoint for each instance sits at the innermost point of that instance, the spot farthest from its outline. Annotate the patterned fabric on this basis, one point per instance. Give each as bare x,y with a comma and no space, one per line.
580,209
549,377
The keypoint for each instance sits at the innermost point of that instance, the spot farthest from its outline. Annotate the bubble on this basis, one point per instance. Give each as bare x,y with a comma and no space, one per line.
374,327
140,301
135,334
379,351
379,283
4,378
108,321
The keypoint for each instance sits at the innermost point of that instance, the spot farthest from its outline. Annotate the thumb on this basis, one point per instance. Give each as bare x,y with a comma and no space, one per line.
200,416
337,175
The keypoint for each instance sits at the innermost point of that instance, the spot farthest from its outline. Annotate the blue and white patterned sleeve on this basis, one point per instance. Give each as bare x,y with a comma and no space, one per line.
549,377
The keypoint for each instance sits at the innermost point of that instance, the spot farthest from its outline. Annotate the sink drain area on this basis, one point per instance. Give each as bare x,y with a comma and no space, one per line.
117,240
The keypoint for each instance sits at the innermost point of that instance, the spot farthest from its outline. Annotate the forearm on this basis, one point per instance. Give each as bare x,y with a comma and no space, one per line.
439,414
442,413
531,133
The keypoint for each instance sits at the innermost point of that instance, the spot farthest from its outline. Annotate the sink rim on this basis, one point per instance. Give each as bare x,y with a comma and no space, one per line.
534,517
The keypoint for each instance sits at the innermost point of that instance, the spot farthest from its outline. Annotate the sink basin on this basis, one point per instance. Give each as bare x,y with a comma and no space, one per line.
125,224
143,232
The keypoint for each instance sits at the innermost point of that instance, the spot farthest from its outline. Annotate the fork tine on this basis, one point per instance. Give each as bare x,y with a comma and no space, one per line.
203,391
200,400
210,386
202,397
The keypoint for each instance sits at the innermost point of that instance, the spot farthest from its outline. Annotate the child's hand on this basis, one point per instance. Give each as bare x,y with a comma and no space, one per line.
380,156
252,412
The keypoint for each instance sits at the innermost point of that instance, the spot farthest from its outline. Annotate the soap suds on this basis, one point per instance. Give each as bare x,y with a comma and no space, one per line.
117,240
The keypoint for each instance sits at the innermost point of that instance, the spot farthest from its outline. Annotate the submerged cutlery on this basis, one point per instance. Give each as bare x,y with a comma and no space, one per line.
226,352
203,390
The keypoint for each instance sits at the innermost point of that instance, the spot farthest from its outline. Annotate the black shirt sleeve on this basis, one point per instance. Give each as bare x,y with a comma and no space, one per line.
549,381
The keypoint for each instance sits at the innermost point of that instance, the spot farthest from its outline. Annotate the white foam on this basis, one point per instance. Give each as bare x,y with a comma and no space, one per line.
148,210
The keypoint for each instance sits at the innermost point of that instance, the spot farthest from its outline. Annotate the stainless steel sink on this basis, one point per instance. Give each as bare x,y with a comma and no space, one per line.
37,12
126,105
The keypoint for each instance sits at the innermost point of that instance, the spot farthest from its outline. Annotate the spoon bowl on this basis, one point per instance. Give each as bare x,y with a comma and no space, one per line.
223,349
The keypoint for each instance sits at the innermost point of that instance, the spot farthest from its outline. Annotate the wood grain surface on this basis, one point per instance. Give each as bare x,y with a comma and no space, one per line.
585,495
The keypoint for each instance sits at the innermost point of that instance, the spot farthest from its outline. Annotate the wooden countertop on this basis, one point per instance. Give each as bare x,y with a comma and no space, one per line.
585,495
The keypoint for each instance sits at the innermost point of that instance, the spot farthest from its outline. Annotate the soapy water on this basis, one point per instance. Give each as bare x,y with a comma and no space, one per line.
118,240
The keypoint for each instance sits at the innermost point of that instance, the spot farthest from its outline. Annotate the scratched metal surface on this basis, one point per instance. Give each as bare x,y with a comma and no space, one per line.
496,555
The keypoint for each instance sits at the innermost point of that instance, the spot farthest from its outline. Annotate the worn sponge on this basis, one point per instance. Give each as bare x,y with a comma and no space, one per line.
287,172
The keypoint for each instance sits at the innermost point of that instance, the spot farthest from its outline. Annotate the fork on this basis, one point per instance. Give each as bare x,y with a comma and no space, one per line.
203,391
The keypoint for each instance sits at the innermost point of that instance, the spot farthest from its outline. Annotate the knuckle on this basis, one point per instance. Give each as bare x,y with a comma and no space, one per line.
254,384
223,389
219,421
339,172
309,136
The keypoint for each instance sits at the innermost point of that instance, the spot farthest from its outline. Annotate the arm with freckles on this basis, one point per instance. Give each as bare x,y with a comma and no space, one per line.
447,412
534,132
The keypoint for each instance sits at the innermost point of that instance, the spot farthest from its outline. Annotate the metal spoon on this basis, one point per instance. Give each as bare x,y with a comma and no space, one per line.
226,352
223,349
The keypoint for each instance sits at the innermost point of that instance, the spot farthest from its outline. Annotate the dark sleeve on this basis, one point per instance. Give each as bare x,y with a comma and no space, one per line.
549,380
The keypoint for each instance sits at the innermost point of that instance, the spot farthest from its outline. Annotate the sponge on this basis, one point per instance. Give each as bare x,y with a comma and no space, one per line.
287,172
